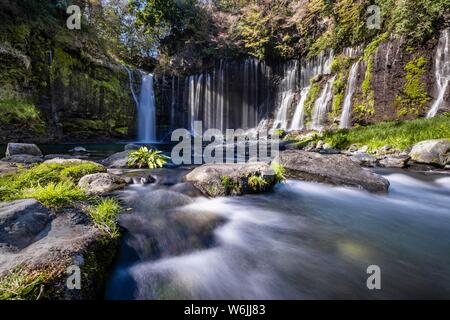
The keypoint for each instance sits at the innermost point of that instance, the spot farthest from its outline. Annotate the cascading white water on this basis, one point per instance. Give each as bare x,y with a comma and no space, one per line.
351,86
133,93
321,104
442,72
146,111
287,89
299,115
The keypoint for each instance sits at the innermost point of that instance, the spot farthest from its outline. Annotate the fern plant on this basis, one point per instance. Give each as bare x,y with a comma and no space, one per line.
145,157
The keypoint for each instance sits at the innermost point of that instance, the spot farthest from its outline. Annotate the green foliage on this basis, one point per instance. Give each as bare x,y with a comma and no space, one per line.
400,135
413,98
279,172
59,178
373,45
22,285
311,98
339,86
229,185
253,30
56,195
105,215
147,158
21,113
256,182
280,133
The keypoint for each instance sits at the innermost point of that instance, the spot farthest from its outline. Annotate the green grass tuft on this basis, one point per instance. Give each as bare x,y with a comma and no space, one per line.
400,135
22,285
105,215
56,195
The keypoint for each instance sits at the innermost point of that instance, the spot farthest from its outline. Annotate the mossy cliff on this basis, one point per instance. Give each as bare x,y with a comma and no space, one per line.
55,83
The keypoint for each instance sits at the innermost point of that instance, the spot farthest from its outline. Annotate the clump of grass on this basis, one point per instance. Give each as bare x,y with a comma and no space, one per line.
57,195
145,157
22,285
229,184
279,172
400,135
105,215
256,182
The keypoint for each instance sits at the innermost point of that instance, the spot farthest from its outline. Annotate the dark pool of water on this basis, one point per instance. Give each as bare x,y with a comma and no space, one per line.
303,241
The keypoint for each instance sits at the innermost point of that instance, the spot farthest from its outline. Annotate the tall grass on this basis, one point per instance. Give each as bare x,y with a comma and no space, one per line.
400,135
105,215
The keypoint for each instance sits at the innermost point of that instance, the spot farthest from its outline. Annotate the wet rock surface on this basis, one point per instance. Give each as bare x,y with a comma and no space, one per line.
435,152
101,183
331,169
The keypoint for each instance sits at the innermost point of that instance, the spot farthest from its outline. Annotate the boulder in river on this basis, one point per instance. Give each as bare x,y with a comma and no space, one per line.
332,169
132,146
435,152
364,159
394,161
101,183
117,160
22,148
37,240
232,179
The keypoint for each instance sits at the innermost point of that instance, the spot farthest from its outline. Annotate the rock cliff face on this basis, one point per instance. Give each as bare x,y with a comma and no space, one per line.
65,82
384,81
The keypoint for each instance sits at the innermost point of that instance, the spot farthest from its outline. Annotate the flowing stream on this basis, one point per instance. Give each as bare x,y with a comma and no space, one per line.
302,241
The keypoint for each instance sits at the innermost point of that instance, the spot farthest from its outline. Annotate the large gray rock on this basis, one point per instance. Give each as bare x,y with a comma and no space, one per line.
21,221
230,179
436,152
101,183
23,158
22,148
132,146
33,239
117,160
394,162
101,168
332,169
364,159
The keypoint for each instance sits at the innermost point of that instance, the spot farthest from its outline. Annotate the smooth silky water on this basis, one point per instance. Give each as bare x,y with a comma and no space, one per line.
302,241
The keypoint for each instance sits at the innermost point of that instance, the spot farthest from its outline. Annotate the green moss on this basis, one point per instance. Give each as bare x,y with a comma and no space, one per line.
229,185
400,135
311,98
56,195
413,98
373,45
339,86
21,113
34,182
279,172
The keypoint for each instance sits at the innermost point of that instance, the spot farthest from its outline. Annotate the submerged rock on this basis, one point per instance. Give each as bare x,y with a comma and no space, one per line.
117,160
332,169
132,146
32,238
101,183
22,148
78,150
232,179
436,152
23,158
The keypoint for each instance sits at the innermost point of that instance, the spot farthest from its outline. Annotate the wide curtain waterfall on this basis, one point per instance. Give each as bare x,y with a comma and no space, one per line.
241,94
146,111
442,71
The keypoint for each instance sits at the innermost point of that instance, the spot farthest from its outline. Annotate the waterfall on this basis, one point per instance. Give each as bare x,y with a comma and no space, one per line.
320,106
287,89
299,115
133,93
351,86
442,72
146,111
